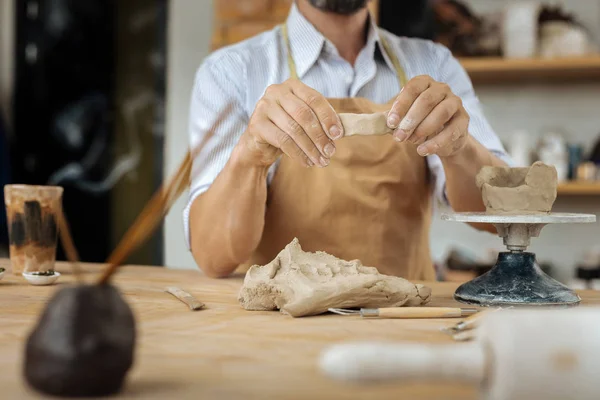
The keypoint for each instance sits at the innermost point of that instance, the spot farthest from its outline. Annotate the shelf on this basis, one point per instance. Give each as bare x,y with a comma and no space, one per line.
579,189
501,70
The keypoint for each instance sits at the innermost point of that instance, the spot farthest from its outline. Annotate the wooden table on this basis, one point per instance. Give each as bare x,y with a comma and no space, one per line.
224,351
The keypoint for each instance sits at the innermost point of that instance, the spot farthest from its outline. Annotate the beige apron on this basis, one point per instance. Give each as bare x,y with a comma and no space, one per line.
373,201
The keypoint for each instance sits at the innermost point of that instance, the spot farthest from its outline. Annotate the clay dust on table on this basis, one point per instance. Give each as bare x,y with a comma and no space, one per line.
32,226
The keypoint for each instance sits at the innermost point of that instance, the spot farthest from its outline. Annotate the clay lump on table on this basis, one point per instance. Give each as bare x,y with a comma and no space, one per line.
300,283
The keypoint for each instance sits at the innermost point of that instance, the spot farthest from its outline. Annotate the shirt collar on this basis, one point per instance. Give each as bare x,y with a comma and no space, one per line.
307,43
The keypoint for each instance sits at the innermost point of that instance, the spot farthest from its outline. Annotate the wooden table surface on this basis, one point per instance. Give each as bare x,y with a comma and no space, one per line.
224,351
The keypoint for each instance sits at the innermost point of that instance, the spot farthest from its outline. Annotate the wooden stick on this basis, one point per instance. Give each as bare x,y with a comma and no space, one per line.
151,215
185,297
157,207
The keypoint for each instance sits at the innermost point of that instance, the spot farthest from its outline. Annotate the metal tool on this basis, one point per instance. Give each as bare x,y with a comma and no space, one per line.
516,279
407,312
470,322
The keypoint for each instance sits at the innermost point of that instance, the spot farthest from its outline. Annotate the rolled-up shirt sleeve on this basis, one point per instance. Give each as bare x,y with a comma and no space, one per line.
218,118
453,74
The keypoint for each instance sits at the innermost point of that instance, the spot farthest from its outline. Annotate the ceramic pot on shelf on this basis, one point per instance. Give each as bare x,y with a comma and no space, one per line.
520,30
552,150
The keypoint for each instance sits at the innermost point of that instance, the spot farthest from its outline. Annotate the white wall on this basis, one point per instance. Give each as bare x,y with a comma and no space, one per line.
575,108
6,53
188,42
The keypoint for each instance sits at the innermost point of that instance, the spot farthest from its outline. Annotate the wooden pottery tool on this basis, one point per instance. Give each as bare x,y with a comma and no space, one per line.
470,322
407,312
516,279
185,297
518,354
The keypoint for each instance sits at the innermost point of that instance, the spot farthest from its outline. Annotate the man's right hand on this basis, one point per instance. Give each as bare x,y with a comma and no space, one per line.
294,119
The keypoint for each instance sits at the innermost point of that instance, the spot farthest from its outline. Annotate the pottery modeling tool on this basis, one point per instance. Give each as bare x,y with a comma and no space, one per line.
407,312
516,279
518,354
470,322
185,297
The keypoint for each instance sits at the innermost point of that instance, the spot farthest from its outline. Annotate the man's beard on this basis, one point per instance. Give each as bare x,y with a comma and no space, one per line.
345,7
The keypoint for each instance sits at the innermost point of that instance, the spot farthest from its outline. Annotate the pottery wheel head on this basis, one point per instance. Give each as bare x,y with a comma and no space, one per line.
517,229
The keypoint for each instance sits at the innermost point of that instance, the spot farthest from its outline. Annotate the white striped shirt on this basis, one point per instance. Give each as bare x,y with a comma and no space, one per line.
234,78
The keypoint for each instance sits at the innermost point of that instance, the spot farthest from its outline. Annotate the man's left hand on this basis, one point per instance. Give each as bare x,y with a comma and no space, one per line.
428,114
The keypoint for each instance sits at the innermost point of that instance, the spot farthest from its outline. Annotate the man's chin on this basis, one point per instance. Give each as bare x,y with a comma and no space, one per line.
342,7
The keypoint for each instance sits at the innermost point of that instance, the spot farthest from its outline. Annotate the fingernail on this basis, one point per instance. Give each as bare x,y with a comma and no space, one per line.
335,132
400,135
393,120
422,150
324,162
329,149
406,124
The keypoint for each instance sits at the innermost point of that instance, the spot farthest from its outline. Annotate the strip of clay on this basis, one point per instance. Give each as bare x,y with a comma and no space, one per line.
365,124
193,303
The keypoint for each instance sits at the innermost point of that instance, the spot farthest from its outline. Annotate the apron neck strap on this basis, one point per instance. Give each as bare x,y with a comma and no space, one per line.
290,58
386,48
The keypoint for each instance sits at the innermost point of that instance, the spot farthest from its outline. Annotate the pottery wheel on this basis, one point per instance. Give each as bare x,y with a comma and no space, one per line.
516,279
551,218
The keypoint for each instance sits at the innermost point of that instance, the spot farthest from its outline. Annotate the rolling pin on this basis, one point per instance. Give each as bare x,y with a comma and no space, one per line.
520,354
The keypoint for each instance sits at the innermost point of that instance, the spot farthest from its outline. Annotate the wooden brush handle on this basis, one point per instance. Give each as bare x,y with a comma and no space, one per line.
158,206
419,312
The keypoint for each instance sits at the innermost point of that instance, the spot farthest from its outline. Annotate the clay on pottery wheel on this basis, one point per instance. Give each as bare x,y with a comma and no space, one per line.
518,190
300,283
83,345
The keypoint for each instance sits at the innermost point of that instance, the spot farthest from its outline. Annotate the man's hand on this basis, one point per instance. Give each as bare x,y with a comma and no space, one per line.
429,115
294,119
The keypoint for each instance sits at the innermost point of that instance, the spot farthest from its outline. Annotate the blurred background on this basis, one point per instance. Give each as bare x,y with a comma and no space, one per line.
94,96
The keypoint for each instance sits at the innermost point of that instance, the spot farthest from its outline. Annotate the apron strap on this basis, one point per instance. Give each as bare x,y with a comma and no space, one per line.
394,59
290,58
386,48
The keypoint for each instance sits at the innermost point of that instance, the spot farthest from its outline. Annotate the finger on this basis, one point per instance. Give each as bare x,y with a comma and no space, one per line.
437,118
276,137
304,127
328,118
420,109
448,140
285,122
406,98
